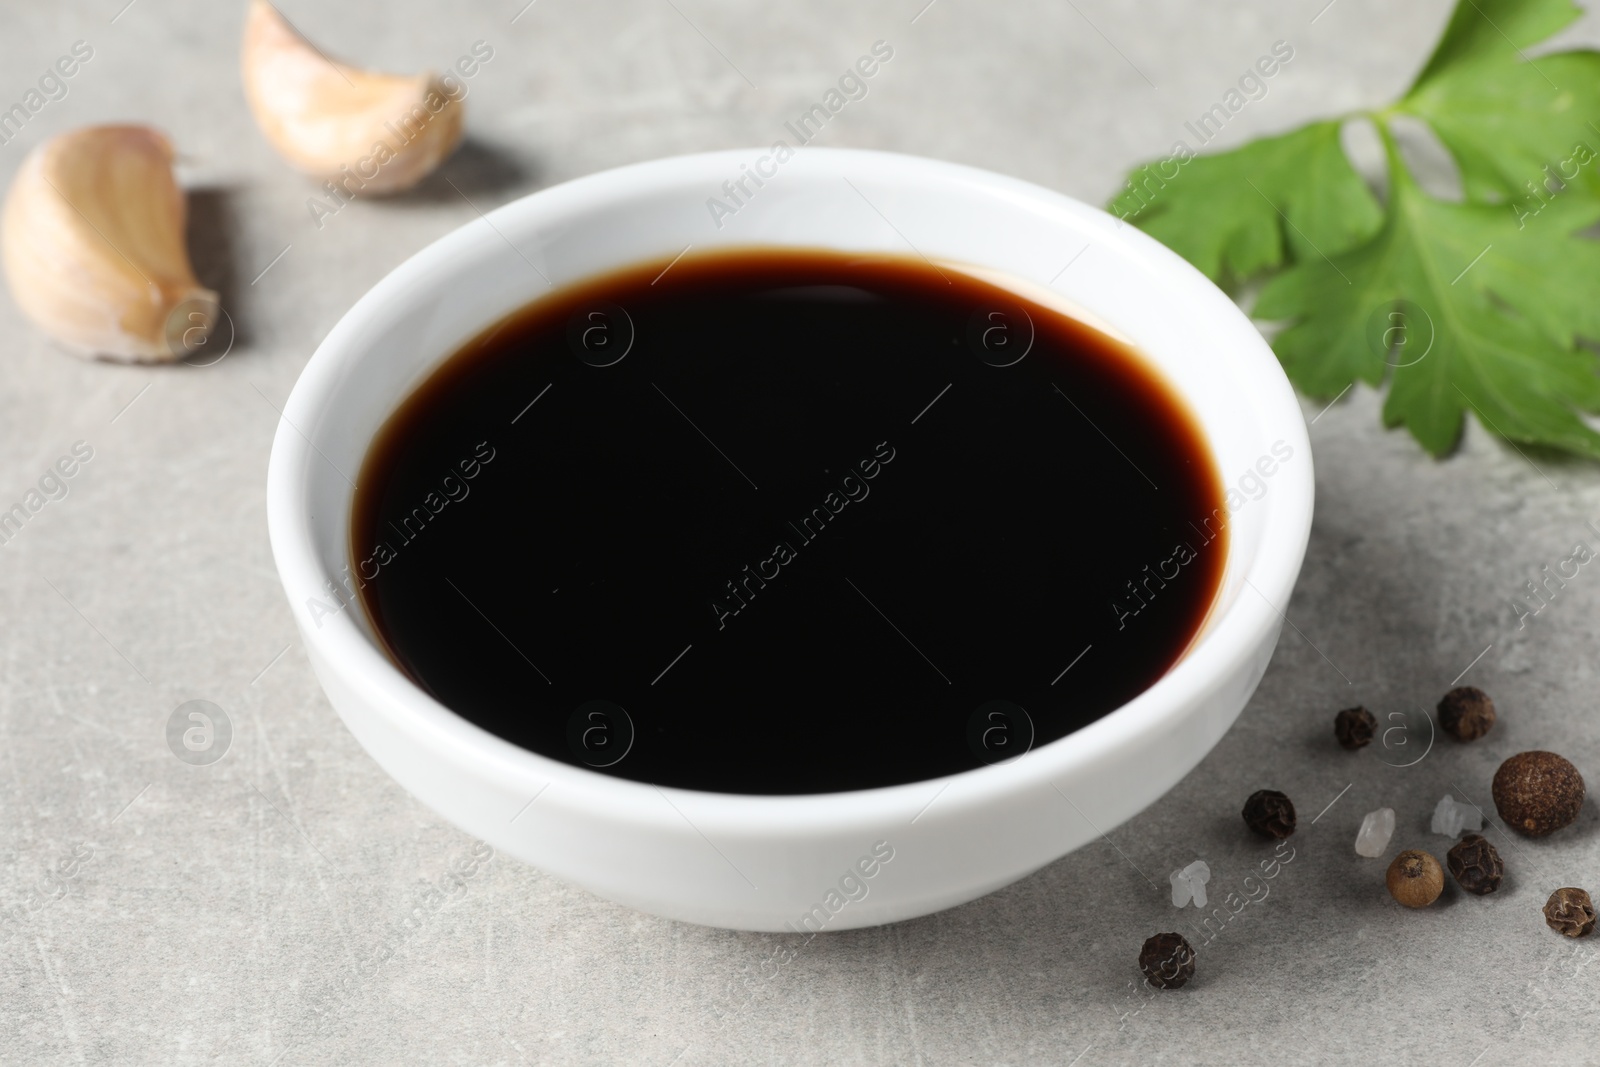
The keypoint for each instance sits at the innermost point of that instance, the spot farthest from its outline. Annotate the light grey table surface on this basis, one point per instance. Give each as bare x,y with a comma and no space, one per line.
215,913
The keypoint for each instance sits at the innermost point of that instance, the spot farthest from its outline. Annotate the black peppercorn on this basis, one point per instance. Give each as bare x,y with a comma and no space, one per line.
1569,911
1466,713
1476,865
1167,961
1269,813
1354,728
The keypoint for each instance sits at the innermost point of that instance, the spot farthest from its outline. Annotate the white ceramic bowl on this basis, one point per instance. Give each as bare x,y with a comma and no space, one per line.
794,862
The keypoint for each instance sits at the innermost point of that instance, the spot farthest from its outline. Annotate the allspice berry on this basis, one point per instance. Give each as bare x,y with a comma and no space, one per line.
1475,864
1354,728
1167,961
1569,911
1538,793
1269,813
1415,878
1466,713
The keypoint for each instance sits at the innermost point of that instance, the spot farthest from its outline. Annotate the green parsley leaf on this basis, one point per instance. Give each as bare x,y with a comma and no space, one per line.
1236,214
1504,119
1462,310
1486,29
1478,306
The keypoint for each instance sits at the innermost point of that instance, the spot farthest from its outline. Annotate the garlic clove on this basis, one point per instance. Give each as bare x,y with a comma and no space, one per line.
93,246
372,132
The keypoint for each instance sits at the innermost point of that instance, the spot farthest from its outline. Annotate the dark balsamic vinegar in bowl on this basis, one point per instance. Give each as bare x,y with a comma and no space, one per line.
781,522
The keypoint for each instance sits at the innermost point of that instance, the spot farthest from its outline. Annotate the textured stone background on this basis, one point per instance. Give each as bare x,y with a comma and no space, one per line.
223,912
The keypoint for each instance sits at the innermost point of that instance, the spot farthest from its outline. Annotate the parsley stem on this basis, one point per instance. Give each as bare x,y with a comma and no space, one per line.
1398,172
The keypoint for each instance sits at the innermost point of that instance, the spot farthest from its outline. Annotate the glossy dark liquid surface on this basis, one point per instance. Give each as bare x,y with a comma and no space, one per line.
788,522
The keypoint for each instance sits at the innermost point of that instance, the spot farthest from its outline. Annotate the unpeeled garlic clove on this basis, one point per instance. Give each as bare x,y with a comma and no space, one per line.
93,245
370,132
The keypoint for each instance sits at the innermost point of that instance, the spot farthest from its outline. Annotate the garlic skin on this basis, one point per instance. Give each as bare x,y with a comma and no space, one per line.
93,245
371,132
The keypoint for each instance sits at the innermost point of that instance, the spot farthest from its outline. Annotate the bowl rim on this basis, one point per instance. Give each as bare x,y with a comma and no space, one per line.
1233,634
